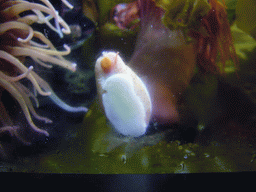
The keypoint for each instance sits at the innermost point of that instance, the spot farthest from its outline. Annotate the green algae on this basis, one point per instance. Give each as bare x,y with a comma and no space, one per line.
183,13
161,158
87,152
246,16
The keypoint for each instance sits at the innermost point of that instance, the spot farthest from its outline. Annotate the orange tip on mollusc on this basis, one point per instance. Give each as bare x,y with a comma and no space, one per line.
106,65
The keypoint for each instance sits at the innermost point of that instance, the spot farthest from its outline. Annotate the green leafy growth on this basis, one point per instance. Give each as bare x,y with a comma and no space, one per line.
110,29
243,42
246,16
183,13
231,10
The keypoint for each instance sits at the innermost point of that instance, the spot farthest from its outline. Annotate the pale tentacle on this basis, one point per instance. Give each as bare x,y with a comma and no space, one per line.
41,37
12,130
49,51
17,25
5,118
56,99
27,42
30,94
13,91
65,106
17,78
22,6
21,89
68,4
23,69
23,51
28,19
47,44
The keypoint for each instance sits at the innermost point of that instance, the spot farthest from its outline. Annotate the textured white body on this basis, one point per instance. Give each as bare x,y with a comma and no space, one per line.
123,107
124,97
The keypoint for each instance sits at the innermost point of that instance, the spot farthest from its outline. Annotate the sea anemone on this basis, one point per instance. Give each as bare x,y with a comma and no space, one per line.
175,37
164,60
19,40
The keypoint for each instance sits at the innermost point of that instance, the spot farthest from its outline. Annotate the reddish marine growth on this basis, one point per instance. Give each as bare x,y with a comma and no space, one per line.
124,14
219,39
215,23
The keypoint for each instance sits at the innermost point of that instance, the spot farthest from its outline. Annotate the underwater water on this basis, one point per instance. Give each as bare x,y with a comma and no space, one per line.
223,147
88,144
217,132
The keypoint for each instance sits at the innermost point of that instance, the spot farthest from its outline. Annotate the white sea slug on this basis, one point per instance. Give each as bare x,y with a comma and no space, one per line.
123,96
